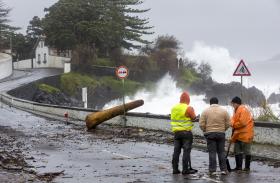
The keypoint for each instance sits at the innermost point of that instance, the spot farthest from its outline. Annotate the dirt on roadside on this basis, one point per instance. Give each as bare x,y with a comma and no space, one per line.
13,165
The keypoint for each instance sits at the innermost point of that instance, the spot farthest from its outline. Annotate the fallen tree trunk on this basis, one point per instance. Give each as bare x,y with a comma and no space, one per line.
94,119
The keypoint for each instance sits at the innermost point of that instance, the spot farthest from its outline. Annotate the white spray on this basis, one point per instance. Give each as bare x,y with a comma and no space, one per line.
166,94
162,98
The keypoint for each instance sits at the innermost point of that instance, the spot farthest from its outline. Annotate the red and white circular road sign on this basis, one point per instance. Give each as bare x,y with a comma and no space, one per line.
122,72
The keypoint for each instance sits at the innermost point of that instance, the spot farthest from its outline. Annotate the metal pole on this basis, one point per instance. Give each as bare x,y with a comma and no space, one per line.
124,118
32,62
241,87
11,44
11,47
1,100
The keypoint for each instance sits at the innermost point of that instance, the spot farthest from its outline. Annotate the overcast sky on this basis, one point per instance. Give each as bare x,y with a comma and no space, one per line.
248,29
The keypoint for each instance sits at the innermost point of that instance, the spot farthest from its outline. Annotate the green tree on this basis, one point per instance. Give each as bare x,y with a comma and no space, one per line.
166,60
22,47
33,32
34,29
164,51
102,25
167,42
204,71
6,30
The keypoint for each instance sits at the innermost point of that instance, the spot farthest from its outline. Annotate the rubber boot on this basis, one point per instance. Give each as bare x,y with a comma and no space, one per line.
175,168
192,169
187,168
247,163
189,171
176,171
238,162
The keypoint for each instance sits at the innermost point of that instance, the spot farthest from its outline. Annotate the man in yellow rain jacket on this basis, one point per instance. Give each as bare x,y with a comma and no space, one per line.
243,126
181,125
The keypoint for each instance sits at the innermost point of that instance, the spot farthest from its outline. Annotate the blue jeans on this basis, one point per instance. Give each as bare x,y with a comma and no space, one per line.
182,140
216,145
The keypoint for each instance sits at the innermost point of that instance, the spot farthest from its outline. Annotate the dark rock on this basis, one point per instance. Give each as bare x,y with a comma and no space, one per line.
57,98
101,95
274,98
225,92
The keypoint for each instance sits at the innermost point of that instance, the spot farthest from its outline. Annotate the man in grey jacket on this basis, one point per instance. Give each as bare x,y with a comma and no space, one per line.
214,121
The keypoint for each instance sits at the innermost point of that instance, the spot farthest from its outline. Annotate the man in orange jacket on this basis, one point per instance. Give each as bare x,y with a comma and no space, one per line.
243,126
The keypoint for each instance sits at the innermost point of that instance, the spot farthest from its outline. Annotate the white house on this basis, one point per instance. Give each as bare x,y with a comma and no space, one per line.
41,53
45,57
48,57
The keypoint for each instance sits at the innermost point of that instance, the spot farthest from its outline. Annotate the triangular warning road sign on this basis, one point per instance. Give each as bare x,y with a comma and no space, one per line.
242,70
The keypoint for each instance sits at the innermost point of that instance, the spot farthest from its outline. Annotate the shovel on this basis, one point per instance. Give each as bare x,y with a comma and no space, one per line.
227,161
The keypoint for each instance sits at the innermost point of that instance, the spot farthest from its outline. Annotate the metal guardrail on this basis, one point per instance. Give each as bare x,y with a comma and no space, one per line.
135,114
267,124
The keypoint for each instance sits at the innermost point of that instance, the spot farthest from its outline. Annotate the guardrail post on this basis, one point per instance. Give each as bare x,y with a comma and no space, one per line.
66,115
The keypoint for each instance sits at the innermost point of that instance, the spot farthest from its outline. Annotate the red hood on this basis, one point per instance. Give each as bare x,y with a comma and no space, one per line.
185,98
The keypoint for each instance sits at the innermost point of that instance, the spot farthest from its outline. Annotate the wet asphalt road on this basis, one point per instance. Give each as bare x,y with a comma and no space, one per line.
100,155
24,77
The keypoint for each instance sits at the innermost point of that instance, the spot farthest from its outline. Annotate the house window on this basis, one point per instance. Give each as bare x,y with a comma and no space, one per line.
39,59
45,58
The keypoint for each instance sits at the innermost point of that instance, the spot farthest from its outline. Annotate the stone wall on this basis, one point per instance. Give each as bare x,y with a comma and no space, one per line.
6,68
51,62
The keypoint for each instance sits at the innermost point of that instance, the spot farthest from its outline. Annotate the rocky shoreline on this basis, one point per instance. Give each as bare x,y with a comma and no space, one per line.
101,95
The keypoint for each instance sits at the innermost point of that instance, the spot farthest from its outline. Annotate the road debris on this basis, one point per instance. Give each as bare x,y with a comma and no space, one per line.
96,118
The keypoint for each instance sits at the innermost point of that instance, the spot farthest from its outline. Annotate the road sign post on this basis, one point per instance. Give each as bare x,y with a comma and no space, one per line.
241,70
1,101
122,72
